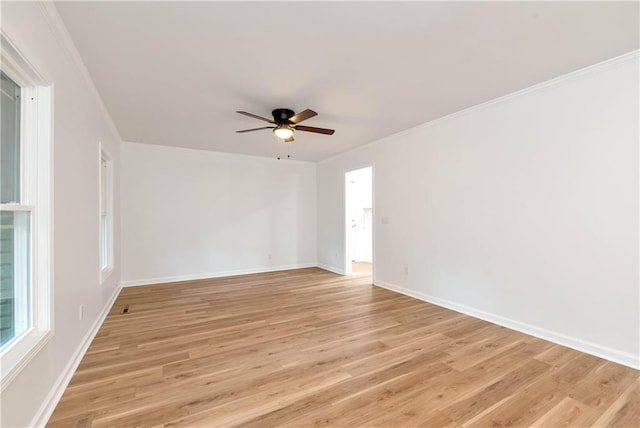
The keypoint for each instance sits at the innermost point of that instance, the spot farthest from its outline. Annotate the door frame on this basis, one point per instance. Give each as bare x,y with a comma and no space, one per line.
345,218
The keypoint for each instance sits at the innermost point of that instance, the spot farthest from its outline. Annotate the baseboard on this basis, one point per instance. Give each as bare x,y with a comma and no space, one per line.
194,277
44,413
331,269
610,354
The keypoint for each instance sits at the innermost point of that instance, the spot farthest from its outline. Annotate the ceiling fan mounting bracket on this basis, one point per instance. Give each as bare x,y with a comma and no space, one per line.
282,115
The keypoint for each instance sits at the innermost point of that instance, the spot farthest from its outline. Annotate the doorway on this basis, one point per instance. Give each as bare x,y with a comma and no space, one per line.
359,221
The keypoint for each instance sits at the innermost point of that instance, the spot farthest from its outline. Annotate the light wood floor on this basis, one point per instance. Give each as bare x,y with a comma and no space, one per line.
311,348
361,268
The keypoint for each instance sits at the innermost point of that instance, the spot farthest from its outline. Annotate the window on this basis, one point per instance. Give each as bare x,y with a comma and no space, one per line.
106,215
15,219
25,206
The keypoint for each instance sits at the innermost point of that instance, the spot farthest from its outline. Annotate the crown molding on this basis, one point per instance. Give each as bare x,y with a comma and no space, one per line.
538,87
65,41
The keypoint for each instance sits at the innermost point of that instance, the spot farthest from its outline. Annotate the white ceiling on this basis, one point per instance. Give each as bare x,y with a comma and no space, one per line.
174,73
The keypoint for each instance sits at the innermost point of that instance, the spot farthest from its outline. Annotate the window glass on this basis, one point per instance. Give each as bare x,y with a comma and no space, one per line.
9,140
104,250
15,266
106,215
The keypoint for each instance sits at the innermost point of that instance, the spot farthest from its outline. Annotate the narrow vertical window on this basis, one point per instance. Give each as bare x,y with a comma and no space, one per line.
106,215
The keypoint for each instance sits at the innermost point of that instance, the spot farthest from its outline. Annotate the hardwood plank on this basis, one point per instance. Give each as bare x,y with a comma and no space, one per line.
567,413
310,348
477,402
604,386
303,409
524,407
625,411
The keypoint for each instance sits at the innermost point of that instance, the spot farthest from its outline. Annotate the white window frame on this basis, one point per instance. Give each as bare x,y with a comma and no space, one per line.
106,211
36,191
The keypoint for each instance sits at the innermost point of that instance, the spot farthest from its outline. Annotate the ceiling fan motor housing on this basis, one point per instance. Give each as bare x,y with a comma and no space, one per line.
282,115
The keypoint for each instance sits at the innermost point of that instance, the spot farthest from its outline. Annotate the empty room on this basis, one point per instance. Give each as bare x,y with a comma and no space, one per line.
340,214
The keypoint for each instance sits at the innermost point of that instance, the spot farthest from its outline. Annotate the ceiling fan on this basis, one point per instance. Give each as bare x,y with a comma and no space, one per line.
286,122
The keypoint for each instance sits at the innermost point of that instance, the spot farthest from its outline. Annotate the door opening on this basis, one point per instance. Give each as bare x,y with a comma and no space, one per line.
359,221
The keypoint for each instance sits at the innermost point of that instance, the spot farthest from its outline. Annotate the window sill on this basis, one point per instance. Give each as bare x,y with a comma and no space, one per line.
19,353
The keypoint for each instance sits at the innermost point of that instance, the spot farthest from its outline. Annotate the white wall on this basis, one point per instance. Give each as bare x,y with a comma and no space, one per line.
79,124
191,214
523,211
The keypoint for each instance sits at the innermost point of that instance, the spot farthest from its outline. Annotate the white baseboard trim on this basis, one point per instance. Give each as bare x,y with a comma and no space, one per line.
44,413
610,354
331,269
180,278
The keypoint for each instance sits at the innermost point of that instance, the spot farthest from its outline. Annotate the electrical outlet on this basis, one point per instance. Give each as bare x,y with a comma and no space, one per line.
81,312
385,219
270,257
406,270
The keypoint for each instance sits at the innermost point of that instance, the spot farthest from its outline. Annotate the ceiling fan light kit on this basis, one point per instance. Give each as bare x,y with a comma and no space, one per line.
286,121
283,131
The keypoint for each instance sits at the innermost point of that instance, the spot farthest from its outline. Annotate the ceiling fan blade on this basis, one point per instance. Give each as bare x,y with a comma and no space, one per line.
255,129
288,140
316,130
303,115
255,116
